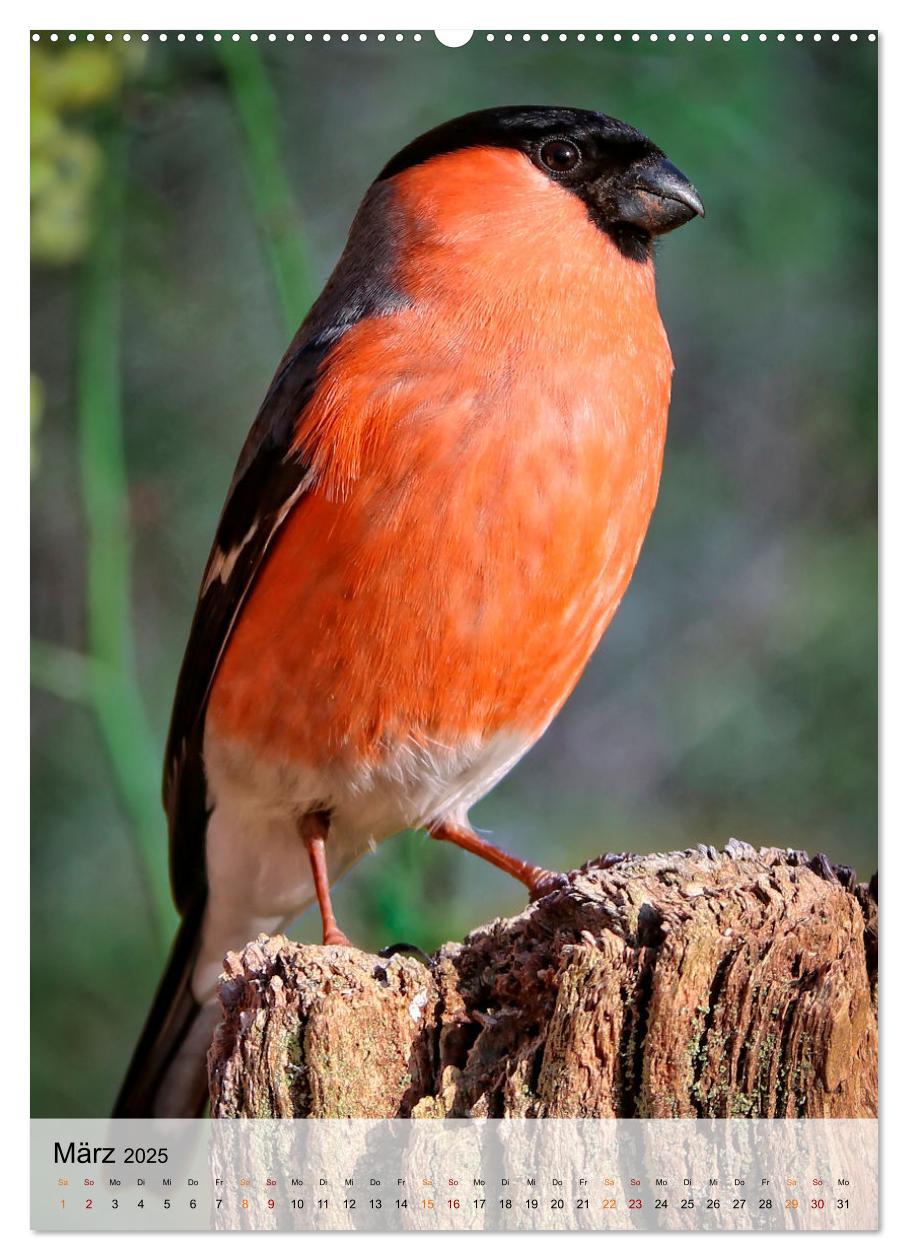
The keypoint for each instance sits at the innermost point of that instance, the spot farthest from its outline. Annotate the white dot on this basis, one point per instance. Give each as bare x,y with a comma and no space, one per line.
107,38
781,38
799,38
562,38
744,39
126,39
545,38
671,39
871,38
363,38
417,37
71,38
199,37
599,38
163,38
762,39
653,38
726,38
272,37
490,38
234,37
617,38
817,38
91,38
291,38
36,37
853,38
635,38
380,38
144,39
835,39
708,37
580,38
182,37
526,39
308,38
326,37
217,38
399,38
253,37
53,38
509,38
689,38
344,38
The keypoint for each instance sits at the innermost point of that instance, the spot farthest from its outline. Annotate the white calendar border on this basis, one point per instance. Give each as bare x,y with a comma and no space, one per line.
467,14
14,508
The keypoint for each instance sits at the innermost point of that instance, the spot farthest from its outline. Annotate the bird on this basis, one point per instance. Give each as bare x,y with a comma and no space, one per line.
431,523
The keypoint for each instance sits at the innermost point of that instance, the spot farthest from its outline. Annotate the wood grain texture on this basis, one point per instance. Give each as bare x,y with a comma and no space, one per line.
740,983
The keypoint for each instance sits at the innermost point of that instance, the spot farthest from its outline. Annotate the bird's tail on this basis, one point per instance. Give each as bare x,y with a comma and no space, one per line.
168,1072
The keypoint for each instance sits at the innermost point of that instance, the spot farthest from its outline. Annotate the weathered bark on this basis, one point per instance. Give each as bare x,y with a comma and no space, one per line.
686,984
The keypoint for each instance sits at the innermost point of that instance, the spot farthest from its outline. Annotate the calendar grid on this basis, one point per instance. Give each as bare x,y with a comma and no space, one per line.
389,1175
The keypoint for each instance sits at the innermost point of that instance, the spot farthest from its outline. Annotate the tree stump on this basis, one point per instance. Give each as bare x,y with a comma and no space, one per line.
694,984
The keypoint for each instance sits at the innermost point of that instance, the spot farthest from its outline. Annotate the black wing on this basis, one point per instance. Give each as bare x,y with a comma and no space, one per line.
269,481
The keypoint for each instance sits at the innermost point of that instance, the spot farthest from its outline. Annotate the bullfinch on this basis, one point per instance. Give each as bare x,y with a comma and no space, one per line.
432,521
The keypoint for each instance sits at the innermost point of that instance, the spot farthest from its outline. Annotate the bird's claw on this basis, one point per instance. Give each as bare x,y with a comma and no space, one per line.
548,882
403,948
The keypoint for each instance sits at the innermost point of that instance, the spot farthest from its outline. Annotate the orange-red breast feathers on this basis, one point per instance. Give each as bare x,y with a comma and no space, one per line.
483,466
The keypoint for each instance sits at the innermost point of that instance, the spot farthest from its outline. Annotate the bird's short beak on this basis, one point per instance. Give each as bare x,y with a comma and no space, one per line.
657,198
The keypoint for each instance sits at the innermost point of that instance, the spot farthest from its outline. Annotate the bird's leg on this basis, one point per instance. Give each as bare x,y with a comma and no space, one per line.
537,879
313,829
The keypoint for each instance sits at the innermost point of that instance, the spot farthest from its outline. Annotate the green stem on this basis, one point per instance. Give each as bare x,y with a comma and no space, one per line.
113,687
61,672
269,186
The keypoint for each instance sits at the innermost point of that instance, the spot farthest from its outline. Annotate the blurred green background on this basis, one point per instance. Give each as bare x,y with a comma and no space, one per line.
188,202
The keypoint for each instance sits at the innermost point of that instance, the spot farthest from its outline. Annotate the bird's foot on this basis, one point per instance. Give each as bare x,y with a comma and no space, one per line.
403,948
538,880
545,882
334,936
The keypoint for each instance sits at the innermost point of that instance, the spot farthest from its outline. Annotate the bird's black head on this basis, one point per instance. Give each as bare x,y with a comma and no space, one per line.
630,189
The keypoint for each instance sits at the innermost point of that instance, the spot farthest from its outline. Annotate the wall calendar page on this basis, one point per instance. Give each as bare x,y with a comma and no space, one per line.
454,660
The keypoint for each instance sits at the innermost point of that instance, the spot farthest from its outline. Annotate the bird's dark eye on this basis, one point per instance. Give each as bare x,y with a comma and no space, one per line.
559,156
